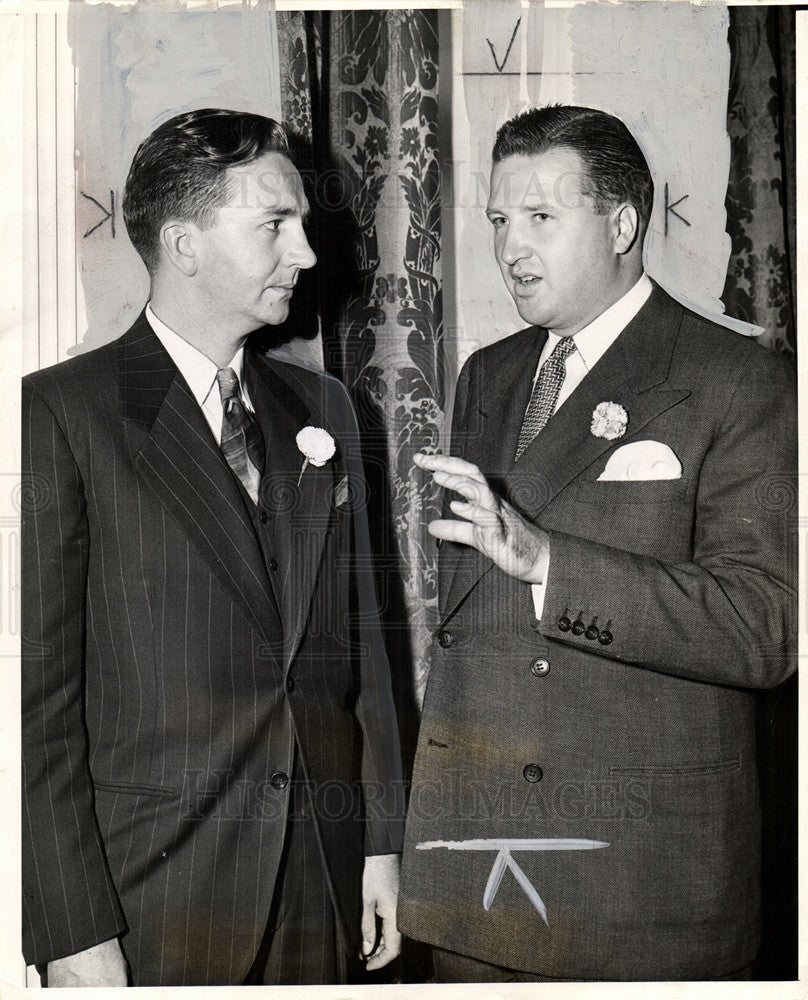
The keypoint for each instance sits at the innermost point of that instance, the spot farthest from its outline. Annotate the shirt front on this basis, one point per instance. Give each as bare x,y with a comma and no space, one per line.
200,372
591,343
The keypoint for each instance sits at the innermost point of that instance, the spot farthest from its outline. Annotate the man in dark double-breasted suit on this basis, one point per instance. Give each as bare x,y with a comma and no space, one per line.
210,756
616,578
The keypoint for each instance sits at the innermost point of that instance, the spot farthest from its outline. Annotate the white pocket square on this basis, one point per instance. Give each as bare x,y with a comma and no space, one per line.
642,460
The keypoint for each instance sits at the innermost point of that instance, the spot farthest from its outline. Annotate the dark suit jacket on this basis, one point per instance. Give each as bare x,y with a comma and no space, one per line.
171,663
634,728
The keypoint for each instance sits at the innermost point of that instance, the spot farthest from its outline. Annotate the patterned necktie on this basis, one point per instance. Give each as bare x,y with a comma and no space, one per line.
242,442
545,394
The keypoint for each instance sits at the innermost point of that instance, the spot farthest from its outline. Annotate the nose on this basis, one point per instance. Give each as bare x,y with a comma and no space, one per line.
300,253
512,246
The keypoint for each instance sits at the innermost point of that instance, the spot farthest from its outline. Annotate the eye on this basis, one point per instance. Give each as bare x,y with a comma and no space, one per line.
273,225
497,221
541,216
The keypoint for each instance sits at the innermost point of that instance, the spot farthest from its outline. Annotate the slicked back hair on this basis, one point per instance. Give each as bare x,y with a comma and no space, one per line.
616,170
179,171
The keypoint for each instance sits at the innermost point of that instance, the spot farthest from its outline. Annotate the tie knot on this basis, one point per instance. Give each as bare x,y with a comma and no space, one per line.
563,349
228,384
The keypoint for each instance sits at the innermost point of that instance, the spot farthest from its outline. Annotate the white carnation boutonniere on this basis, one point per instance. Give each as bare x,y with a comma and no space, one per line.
609,420
317,447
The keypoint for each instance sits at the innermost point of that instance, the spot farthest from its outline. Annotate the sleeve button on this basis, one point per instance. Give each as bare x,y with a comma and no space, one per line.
605,637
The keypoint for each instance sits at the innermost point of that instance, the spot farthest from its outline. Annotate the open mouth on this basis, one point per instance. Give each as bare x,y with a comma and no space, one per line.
526,279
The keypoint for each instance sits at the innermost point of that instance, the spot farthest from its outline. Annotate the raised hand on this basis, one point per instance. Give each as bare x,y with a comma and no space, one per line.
488,523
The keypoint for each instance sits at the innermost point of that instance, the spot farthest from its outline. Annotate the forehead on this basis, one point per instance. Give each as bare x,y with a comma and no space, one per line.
269,183
555,177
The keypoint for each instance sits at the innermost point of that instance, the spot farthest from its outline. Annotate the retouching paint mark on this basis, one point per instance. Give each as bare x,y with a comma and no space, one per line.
108,215
670,208
504,860
501,65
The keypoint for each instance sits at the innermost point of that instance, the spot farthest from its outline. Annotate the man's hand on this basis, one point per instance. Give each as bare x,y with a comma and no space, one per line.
490,524
101,965
380,896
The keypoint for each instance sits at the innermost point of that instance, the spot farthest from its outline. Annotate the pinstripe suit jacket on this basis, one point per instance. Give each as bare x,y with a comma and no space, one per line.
644,743
168,672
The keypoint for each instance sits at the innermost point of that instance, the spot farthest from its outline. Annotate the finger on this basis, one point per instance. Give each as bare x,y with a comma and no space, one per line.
448,463
477,514
452,531
471,489
389,947
368,928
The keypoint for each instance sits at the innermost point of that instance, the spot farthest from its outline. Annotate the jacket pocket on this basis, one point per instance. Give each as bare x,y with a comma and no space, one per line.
642,491
676,770
119,787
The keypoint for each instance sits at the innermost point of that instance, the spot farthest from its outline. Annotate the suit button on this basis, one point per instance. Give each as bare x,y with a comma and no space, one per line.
578,627
532,773
445,639
540,667
564,624
273,564
262,516
605,637
593,632
279,780
290,684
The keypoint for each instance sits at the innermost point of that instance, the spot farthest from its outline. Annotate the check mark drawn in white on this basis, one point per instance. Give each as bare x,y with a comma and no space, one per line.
505,860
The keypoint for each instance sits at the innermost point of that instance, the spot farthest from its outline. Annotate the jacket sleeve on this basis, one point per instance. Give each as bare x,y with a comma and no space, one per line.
69,902
382,777
726,616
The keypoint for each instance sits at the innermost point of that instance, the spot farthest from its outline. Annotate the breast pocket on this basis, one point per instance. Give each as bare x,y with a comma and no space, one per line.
647,491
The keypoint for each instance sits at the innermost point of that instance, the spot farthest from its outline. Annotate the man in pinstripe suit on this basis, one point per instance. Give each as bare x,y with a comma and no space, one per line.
211,773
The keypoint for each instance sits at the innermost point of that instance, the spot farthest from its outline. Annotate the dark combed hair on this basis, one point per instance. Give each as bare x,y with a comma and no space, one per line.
616,170
179,170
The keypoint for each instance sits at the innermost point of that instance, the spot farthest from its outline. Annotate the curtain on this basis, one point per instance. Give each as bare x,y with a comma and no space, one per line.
761,195
362,87
761,287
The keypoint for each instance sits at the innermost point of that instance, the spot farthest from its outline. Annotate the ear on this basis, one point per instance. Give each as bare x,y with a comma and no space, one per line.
627,228
178,245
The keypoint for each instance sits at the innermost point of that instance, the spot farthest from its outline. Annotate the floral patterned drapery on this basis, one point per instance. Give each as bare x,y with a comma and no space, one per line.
761,287
362,86
761,195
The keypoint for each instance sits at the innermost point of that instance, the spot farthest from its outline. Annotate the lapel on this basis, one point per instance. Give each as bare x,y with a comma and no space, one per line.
501,402
301,505
176,454
633,372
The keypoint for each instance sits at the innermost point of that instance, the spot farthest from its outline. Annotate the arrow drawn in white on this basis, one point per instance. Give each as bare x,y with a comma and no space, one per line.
505,860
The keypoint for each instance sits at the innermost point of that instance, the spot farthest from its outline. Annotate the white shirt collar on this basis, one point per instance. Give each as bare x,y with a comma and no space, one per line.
598,336
197,369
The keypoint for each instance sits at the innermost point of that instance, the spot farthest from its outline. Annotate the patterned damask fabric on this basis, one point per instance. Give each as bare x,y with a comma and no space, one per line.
293,52
362,85
761,197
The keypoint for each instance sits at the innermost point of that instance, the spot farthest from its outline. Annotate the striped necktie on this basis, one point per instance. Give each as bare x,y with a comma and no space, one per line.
242,442
545,394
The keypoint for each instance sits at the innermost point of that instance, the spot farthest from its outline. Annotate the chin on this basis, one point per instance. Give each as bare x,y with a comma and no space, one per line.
274,317
535,317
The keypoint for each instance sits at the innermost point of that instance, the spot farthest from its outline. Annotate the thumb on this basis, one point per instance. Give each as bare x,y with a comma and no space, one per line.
368,927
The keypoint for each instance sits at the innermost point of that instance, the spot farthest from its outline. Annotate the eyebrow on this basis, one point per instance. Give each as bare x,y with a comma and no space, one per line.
286,212
528,206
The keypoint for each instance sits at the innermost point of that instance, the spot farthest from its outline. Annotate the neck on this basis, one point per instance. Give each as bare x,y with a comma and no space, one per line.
189,320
